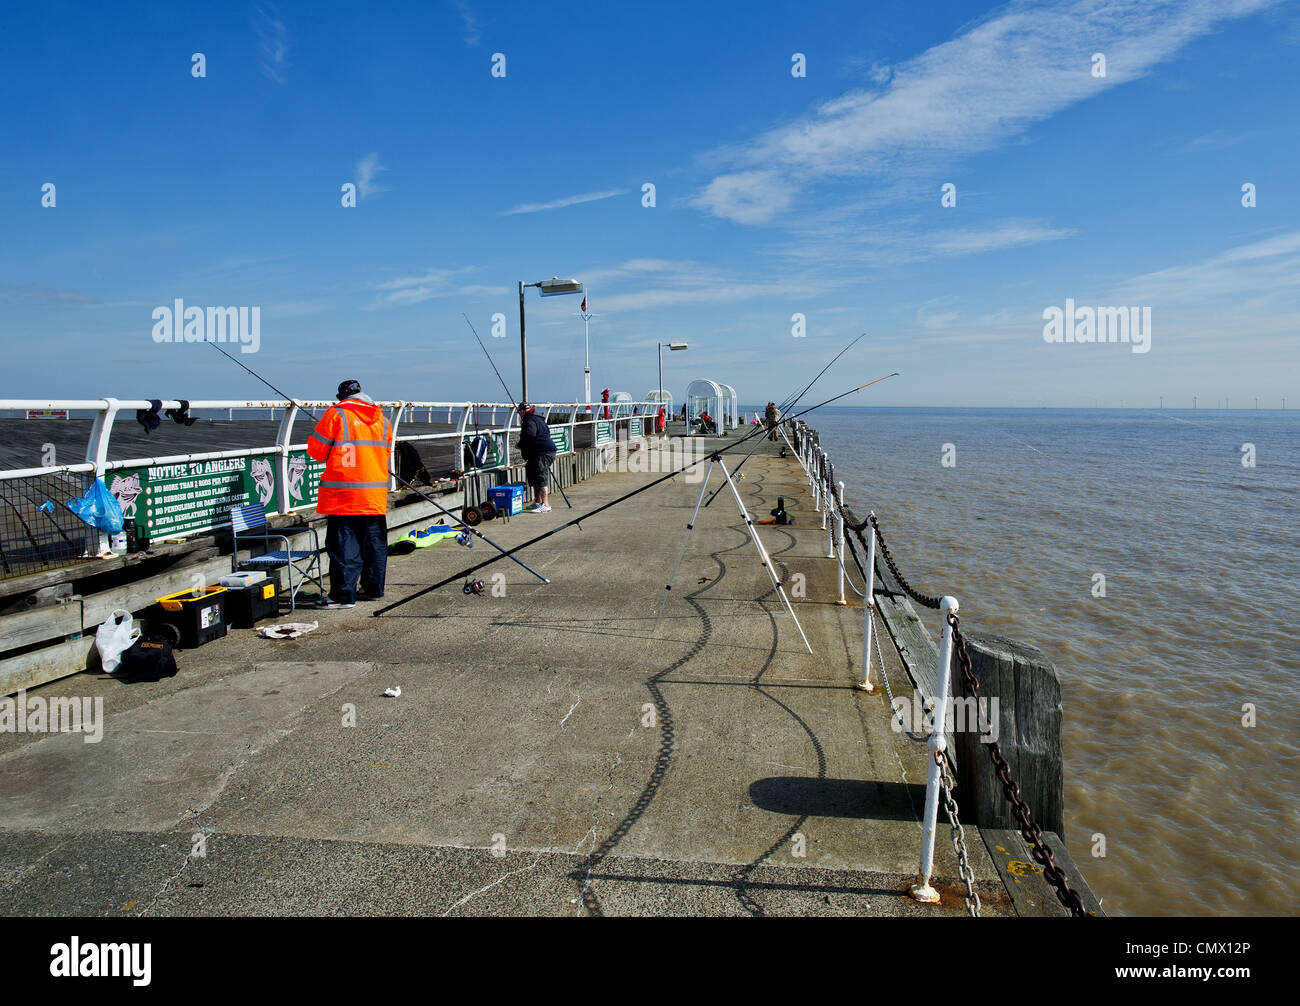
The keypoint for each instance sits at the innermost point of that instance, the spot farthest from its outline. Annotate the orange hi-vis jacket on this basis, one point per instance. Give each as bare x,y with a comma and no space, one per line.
352,438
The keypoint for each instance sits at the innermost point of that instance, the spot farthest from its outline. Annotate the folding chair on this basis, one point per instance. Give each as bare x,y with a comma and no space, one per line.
250,522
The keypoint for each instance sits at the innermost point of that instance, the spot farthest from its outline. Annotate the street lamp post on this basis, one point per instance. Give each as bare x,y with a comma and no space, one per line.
550,288
586,317
672,348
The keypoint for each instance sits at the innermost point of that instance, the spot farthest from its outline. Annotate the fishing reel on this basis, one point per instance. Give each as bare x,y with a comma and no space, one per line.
781,517
474,587
464,539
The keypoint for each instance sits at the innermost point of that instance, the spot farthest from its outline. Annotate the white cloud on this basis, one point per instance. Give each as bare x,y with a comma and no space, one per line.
272,42
556,204
1022,64
402,291
996,237
470,22
1263,272
747,197
367,168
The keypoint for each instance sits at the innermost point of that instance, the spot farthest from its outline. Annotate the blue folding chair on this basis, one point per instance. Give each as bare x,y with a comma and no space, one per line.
249,522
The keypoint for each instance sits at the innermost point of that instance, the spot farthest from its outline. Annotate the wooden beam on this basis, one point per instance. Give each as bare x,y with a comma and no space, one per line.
1023,877
1028,729
35,667
39,625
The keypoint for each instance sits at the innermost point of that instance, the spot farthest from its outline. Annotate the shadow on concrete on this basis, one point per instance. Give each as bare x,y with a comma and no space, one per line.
858,798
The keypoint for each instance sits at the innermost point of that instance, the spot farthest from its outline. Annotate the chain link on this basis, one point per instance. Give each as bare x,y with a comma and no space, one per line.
902,725
958,836
1031,831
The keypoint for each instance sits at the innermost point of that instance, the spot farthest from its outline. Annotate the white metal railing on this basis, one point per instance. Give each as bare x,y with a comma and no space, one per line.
828,498
105,412
466,417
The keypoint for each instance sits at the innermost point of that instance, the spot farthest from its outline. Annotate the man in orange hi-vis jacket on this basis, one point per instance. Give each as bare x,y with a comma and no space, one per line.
353,439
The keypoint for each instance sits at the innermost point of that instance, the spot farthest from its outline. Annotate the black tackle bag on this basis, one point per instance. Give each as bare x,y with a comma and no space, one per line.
149,658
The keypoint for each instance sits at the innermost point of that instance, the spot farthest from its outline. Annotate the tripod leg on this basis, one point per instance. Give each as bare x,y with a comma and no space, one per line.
767,562
689,528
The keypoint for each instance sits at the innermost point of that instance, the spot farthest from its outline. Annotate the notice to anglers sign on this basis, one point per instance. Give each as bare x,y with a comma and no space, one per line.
167,501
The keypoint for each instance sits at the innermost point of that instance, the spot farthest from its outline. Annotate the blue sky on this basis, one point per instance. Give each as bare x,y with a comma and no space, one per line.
775,195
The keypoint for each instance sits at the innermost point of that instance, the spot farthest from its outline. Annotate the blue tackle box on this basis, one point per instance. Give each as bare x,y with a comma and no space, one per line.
509,498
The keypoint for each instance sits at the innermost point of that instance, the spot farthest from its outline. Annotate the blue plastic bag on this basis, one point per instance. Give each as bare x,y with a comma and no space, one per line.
98,508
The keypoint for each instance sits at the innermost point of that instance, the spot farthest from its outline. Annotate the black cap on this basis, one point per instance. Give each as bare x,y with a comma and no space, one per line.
347,389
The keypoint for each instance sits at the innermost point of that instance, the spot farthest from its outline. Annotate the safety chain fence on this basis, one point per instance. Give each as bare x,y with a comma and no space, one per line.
821,474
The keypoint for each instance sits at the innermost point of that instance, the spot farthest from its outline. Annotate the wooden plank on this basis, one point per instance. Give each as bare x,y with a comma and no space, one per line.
39,625
1023,877
36,667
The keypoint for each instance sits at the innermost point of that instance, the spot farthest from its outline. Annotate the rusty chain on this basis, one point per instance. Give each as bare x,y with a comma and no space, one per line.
958,836
908,589
1031,831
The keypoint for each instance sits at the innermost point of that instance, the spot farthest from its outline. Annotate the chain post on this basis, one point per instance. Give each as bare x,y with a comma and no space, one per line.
922,891
839,541
868,623
828,514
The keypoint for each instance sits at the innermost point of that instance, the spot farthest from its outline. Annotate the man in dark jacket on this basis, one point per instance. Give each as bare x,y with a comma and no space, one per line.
538,451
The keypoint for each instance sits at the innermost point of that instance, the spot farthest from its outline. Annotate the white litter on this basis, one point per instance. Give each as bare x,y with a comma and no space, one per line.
287,630
393,693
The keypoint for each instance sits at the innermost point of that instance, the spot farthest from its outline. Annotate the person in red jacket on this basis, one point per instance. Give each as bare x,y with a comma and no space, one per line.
661,420
353,438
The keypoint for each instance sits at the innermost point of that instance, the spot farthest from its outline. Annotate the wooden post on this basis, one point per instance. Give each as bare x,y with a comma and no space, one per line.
1028,727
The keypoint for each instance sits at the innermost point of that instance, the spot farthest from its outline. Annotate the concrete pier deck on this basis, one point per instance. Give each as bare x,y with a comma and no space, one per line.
551,753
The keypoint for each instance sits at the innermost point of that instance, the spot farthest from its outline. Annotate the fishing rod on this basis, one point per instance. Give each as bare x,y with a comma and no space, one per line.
512,398
408,485
787,406
604,506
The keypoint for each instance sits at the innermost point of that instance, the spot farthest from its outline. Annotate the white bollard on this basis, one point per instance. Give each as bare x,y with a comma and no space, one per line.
868,623
922,891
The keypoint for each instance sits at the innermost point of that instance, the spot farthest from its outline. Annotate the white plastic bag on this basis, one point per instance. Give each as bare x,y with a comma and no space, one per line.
114,637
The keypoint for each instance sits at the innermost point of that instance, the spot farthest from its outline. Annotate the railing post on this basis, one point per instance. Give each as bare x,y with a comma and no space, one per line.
97,452
839,543
283,503
868,622
830,511
392,448
922,891
824,486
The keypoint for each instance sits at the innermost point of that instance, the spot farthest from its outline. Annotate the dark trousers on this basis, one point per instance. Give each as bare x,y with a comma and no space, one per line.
358,550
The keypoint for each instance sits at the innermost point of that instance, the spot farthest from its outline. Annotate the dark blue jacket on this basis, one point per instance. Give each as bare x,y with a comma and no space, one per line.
535,437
